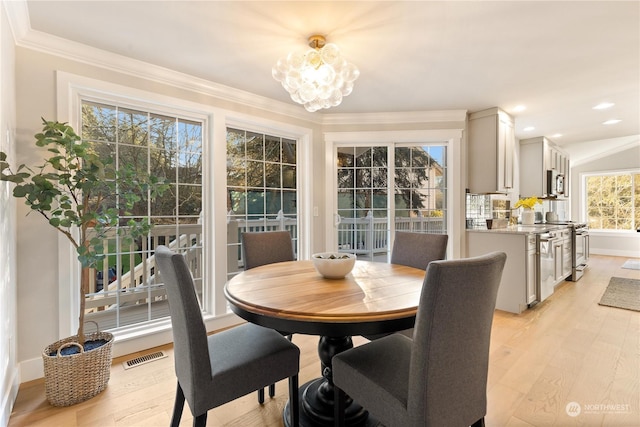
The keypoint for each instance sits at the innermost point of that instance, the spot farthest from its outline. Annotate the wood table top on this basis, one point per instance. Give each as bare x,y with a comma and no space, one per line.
294,290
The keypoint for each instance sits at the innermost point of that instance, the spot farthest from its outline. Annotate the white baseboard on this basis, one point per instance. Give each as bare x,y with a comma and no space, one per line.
132,342
9,398
613,252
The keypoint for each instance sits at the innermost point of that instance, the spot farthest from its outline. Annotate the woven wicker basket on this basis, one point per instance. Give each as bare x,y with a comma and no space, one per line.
73,379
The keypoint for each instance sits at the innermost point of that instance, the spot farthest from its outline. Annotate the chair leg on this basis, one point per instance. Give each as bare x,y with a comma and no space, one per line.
272,390
294,404
338,406
261,396
200,420
479,423
178,406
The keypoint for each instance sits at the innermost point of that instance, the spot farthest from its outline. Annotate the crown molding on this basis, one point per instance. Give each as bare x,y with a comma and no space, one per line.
18,17
395,117
26,37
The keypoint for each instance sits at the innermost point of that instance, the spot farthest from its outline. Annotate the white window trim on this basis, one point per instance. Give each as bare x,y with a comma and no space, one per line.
452,138
303,136
71,89
583,200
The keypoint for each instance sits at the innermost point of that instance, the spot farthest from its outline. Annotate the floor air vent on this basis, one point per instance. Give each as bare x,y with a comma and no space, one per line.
143,359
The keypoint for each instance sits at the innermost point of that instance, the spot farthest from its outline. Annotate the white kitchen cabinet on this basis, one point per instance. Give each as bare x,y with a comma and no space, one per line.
518,285
537,156
491,153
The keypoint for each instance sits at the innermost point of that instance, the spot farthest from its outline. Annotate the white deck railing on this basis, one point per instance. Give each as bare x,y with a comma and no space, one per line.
237,225
367,237
141,283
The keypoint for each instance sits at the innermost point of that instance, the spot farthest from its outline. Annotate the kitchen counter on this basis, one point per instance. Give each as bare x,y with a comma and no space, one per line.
519,286
520,229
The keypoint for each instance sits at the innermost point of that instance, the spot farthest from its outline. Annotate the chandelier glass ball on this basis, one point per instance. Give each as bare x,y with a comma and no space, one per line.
318,78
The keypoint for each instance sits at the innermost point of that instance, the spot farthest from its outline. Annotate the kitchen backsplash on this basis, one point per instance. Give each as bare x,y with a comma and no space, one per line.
480,207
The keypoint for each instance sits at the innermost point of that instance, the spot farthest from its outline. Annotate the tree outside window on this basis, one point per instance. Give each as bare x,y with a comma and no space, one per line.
613,201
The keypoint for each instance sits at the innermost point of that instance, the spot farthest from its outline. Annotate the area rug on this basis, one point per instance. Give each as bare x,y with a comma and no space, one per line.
622,293
632,264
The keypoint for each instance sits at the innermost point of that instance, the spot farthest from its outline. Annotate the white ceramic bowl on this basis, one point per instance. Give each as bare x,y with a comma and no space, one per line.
333,265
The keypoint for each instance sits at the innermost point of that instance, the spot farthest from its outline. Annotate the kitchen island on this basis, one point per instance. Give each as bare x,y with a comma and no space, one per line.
520,285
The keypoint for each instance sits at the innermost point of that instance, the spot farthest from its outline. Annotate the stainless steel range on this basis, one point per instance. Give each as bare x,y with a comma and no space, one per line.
580,255
580,247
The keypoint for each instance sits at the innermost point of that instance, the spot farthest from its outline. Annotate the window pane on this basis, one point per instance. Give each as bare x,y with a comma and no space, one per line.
612,201
261,188
289,151
98,122
133,127
168,147
272,175
272,149
255,146
255,174
163,132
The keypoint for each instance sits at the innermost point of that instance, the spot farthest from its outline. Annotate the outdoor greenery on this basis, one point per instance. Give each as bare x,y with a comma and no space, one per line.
163,146
613,201
366,172
261,174
83,196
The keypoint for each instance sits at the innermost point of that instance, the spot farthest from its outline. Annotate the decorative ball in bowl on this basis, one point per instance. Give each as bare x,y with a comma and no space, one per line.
333,265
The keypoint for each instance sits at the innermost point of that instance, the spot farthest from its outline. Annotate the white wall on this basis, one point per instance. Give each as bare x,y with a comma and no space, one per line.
9,374
607,243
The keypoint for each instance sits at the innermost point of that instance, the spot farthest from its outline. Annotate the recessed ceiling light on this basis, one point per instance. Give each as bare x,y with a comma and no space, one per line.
528,129
611,122
519,108
603,106
556,135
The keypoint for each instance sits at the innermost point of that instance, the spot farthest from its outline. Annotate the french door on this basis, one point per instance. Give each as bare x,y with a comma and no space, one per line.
387,187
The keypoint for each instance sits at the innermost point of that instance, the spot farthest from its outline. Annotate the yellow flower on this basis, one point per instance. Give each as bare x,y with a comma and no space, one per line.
528,203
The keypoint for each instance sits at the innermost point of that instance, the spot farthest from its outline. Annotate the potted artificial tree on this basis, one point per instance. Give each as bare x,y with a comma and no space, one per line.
75,191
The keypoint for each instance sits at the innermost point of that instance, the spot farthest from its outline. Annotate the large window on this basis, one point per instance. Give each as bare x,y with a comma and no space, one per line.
388,187
126,289
262,189
613,200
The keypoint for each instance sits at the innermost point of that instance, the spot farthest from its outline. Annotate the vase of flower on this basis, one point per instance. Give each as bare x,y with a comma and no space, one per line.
527,205
528,216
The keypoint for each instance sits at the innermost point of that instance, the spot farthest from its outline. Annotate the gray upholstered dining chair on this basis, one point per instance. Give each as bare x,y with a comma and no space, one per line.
216,369
415,250
266,247
440,377
261,248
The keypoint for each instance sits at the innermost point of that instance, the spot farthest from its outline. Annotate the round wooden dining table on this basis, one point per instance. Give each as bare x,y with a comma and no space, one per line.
291,297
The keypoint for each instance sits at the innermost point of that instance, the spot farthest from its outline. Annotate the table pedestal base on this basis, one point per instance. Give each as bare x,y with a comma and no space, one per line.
316,396
322,416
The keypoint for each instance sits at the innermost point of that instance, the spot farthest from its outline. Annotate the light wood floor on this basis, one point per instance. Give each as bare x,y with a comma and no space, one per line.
567,349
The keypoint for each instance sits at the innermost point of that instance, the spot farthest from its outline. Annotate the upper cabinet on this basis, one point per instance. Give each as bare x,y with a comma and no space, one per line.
491,152
544,169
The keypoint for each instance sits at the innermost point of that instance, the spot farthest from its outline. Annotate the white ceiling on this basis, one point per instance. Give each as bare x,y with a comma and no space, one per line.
558,58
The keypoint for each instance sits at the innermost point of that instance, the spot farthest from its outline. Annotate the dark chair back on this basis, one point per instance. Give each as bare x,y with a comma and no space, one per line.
266,247
418,249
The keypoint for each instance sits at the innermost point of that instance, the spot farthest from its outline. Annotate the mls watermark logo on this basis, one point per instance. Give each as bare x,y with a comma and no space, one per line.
573,409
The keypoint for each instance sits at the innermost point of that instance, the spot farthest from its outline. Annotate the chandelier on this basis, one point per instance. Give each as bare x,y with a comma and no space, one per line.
318,78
